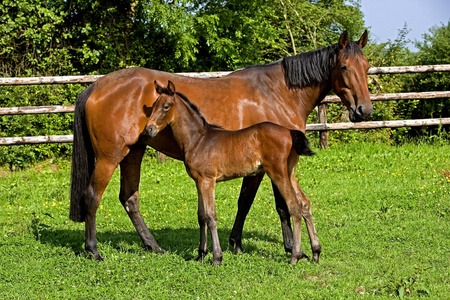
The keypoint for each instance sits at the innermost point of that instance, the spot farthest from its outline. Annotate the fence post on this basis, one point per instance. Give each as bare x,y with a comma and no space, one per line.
322,114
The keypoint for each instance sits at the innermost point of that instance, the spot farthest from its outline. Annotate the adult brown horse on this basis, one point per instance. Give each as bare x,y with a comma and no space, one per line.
111,115
212,154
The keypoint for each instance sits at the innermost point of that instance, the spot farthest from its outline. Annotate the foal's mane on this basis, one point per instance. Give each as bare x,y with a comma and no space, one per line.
196,111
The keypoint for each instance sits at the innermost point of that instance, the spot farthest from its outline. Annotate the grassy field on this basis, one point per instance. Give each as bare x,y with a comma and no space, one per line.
382,215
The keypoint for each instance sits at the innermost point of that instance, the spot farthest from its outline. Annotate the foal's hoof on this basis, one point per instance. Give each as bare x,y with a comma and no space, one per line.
160,250
96,256
217,262
295,259
156,249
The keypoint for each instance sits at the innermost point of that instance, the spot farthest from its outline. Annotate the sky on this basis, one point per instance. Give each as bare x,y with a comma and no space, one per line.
386,17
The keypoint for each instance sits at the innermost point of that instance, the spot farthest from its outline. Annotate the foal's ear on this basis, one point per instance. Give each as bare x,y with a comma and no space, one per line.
363,40
171,87
159,89
343,40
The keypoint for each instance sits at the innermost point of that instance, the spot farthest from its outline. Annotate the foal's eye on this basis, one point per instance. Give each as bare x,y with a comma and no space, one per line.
166,106
343,68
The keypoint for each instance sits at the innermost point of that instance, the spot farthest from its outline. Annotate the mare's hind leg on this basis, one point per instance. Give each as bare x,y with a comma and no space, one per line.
307,216
101,176
285,218
130,170
248,192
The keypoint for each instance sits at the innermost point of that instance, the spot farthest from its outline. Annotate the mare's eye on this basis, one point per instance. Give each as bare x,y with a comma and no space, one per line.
166,106
343,68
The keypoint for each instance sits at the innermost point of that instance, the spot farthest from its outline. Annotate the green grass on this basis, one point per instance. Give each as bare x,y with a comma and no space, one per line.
381,213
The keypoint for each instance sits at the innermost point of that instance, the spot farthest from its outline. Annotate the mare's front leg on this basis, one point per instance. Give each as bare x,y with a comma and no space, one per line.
285,218
130,173
207,219
248,192
103,170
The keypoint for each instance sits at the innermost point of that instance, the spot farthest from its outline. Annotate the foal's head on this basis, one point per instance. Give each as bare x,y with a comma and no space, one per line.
162,112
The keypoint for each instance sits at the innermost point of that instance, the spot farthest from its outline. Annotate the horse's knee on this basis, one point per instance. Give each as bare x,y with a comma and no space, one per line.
91,200
131,204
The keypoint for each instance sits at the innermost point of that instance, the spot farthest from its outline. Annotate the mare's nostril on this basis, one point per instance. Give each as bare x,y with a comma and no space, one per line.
360,110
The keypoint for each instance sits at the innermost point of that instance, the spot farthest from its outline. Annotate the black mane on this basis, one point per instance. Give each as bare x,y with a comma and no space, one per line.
315,66
197,111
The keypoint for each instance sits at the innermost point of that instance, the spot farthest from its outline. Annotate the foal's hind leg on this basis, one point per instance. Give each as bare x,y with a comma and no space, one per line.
285,218
130,169
101,176
248,192
207,219
295,209
307,216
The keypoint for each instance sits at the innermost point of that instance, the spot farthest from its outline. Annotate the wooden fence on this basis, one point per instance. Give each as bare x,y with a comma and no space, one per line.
323,126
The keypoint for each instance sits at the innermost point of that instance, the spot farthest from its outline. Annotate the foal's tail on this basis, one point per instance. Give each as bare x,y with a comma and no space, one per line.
301,143
83,158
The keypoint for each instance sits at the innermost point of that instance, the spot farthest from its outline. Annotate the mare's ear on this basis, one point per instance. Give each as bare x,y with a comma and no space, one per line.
363,40
171,88
159,89
343,40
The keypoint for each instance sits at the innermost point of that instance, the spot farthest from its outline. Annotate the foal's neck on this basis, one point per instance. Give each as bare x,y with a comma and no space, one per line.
188,127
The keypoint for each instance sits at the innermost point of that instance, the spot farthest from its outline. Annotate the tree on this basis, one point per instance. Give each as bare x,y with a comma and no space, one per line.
32,42
432,51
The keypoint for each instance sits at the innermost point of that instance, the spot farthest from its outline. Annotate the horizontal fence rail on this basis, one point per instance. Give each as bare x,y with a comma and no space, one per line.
92,78
322,126
309,127
28,110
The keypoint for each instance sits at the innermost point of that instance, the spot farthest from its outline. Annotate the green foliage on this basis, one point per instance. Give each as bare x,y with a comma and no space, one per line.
32,42
381,213
96,37
433,50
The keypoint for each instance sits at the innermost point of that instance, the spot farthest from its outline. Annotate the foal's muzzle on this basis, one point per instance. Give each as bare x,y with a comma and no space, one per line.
151,130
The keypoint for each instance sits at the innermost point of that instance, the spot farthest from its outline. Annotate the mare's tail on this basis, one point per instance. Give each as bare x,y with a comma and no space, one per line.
301,143
83,158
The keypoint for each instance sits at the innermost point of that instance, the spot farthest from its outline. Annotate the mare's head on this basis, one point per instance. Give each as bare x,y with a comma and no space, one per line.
349,77
162,112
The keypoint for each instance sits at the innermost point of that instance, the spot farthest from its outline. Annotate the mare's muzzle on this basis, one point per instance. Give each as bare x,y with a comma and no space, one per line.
361,113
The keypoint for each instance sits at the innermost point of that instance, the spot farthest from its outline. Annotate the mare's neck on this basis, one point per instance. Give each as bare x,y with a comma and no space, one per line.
309,97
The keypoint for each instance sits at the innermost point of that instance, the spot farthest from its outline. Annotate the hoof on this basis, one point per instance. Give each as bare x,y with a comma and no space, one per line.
316,258
296,258
217,262
160,250
236,245
201,256
238,249
96,256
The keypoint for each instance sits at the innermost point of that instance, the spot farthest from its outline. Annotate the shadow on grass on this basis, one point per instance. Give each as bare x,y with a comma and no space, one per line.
183,242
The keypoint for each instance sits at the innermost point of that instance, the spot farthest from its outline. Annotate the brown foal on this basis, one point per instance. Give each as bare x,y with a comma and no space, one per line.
213,154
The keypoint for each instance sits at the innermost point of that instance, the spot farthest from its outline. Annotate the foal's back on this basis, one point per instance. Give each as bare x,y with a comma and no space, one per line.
224,154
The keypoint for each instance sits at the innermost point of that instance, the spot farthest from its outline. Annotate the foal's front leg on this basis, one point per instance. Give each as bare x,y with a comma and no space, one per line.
207,219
